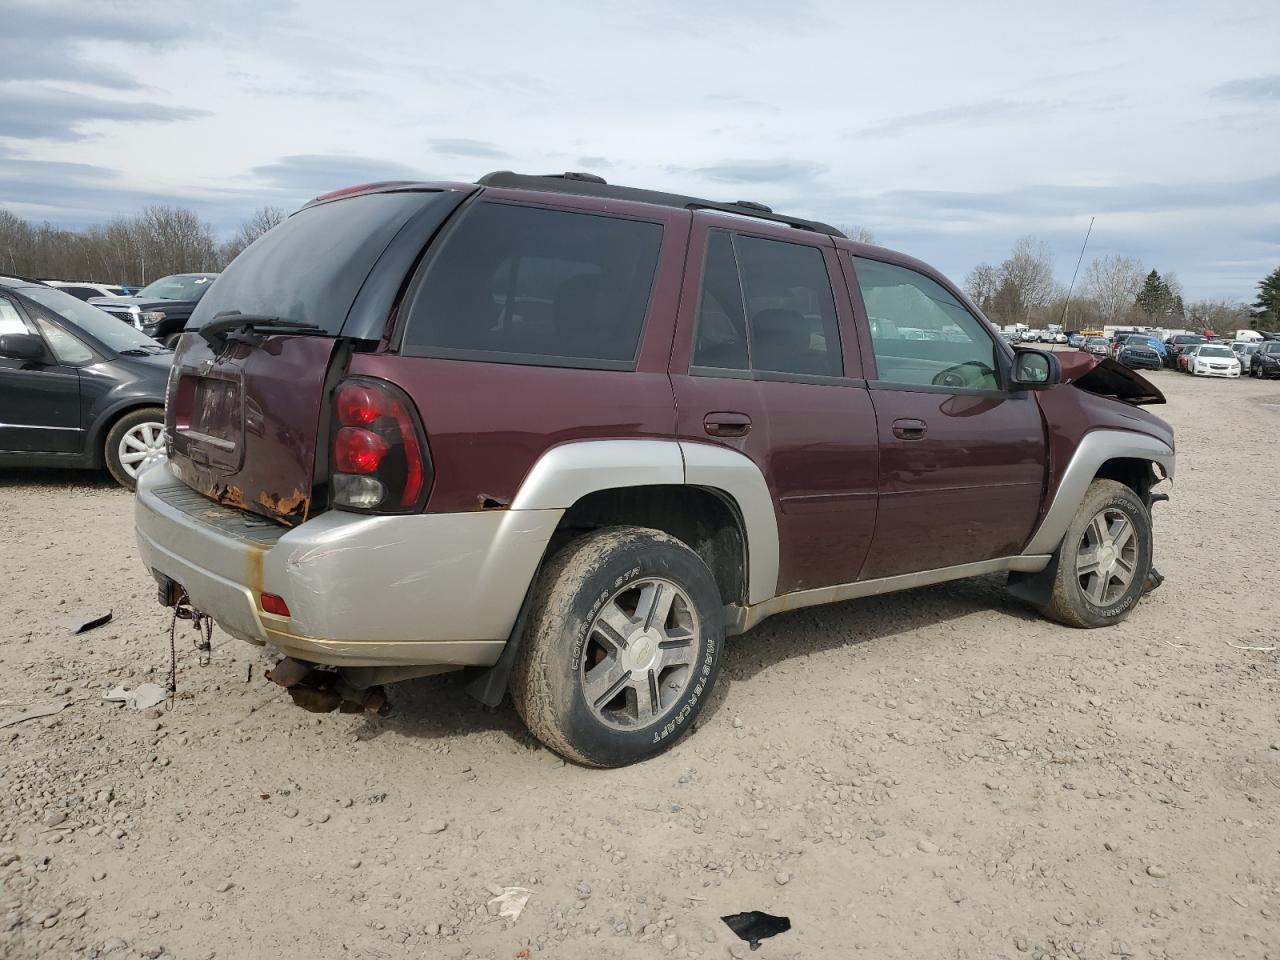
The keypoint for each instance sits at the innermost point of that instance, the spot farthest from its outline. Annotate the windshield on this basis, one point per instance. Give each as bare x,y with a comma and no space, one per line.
178,287
1140,342
1095,341
1188,339
1271,346
1214,352
111,332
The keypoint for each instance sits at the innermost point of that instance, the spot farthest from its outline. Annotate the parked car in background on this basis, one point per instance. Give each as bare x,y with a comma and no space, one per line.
77,388
1096,345
1061,337
1265,363
1244,351
1213,360
1075,340
1139,353
1174,346
160,309
434,482
1146,340
85,291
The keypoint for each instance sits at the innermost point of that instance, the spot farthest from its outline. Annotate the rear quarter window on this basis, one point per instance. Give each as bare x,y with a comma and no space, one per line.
521,284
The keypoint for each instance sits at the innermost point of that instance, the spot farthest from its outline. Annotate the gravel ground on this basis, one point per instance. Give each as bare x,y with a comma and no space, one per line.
935,773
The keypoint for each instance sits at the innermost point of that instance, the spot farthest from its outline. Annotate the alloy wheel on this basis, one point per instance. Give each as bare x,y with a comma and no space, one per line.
1107,557
640,652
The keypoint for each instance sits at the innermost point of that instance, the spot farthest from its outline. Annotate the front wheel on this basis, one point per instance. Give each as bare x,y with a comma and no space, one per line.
133,443
621,649
1104,560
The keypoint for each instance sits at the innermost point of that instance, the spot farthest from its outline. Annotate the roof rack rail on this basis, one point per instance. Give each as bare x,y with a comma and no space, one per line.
590,185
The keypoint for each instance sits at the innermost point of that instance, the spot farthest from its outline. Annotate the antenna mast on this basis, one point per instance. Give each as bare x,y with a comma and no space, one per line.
1079,260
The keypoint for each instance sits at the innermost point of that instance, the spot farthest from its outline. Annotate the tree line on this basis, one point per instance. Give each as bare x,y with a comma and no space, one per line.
1114,290
126,250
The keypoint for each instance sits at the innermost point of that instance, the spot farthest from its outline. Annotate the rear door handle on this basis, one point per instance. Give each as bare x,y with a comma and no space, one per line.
727,424
910,429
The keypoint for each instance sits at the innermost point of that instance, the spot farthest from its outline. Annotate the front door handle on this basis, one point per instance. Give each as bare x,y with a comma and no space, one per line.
910,429
727,424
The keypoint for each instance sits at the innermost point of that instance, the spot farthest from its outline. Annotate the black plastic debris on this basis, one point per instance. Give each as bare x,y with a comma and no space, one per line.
754,926
87,621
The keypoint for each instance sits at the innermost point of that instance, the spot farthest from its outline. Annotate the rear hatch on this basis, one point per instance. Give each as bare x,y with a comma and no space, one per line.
247,410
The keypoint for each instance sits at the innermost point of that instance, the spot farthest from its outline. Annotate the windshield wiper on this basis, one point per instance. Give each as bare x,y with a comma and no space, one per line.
250,328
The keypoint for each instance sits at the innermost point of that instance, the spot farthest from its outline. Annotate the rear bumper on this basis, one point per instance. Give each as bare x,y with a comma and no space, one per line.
428,589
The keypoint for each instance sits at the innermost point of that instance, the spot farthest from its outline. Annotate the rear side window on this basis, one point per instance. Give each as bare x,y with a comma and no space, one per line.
766,305
10,320
523,284
922,334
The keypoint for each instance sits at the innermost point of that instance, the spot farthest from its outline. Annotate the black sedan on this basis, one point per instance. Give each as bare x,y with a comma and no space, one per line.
1266,362
160,309
78,388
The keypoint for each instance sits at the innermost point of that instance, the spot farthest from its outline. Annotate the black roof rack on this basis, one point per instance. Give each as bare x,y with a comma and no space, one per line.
590,185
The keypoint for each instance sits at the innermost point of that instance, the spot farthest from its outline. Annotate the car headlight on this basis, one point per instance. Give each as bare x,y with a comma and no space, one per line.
152,317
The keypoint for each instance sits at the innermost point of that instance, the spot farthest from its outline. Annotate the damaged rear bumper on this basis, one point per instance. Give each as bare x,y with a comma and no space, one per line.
428,589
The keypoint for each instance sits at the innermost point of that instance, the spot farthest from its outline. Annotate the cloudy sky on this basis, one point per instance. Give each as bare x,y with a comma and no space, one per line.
948,129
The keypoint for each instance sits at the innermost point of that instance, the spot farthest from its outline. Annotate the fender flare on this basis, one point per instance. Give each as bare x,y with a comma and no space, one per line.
1095,449
567,473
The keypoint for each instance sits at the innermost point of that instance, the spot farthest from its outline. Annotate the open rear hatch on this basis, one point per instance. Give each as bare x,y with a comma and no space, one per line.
247,407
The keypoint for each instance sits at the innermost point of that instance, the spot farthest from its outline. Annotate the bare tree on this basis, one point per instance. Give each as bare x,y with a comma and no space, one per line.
1027,275
1218,315
981,285
856,233
1113,281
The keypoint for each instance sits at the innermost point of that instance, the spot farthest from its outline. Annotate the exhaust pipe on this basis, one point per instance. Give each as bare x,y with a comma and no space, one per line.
323,691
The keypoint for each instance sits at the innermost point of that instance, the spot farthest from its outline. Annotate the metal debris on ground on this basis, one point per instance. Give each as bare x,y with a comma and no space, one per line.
754,926
82,621
34,712
142,697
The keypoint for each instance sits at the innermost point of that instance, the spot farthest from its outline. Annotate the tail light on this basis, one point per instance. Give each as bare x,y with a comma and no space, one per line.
379,462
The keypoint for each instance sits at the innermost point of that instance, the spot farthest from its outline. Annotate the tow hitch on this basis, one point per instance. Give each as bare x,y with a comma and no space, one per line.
323,691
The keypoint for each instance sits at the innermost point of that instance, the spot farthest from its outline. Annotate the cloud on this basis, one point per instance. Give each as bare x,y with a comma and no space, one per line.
307,175
752,172
42,113
467,148
964,113
45,40
1263,88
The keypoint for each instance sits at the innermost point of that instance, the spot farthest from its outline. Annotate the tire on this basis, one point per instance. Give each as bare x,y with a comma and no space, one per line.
1077,600
171,341
587,613
143,426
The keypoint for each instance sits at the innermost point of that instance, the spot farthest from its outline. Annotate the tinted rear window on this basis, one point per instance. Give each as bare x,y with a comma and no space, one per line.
311,267
531,285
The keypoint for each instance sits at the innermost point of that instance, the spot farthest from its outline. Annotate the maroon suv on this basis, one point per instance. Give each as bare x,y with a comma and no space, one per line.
573,435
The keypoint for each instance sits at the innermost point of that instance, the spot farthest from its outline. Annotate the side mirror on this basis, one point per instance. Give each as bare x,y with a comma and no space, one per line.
22,346
1035,370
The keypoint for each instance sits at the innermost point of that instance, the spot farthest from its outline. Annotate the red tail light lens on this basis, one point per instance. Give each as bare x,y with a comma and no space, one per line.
274,604
379,461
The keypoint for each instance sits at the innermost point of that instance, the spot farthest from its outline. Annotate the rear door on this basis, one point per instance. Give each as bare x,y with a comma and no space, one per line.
39,402
246,417
962,460
764,364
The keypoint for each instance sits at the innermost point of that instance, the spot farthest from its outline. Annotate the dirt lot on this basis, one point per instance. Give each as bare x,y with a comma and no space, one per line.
936,773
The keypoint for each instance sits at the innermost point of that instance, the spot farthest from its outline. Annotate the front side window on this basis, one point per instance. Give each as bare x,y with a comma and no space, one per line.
527,284
10,320
923,336
766,305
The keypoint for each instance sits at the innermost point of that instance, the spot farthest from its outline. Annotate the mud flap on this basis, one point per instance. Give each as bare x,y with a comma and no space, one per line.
489,685
1034,588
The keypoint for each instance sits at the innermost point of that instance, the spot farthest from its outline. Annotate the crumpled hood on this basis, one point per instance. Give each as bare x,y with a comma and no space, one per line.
1107,378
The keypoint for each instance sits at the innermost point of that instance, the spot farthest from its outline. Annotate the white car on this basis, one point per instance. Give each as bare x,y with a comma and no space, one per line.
1213,360
1098,345
83,290
1059,338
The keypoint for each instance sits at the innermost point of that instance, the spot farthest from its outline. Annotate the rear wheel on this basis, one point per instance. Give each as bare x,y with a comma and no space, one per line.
1104,560
622,647
171,341
133,443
